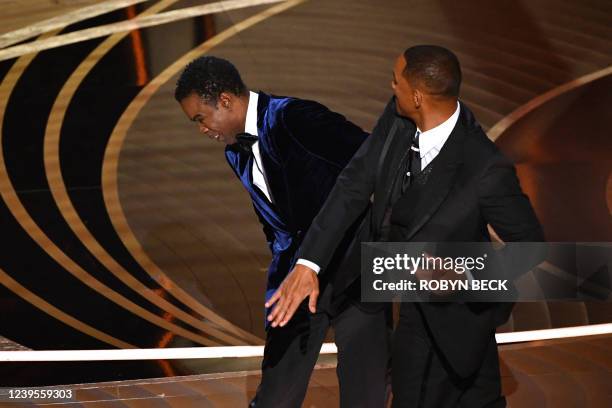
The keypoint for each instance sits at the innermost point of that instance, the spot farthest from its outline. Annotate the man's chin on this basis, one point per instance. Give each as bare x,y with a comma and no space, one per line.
224,140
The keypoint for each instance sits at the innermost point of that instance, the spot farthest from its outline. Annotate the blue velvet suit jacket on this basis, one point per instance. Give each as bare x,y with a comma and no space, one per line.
303,146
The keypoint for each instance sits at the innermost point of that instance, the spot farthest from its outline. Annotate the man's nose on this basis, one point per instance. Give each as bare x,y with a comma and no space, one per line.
203,129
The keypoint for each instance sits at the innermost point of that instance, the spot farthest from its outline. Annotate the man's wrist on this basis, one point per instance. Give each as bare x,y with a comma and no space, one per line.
309,264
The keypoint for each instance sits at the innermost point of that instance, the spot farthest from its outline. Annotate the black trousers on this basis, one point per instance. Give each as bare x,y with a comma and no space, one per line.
421,378
291,353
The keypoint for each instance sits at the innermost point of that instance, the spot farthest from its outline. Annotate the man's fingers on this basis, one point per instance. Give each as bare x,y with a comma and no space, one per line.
274,297
282,312
279,317
312,301
277,308
291,308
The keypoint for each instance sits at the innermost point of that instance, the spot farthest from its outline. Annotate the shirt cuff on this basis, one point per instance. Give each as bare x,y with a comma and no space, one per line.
309,264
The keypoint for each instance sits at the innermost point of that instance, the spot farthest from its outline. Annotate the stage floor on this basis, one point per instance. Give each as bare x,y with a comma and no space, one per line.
568,373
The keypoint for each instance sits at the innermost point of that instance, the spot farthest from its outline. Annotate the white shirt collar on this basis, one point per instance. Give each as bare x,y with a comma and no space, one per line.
250,124
437,136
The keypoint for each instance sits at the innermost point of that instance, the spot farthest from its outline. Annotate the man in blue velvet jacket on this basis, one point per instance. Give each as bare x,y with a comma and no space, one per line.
288,153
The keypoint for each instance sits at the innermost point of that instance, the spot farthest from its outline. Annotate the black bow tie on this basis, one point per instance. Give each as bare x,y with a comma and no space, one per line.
246,141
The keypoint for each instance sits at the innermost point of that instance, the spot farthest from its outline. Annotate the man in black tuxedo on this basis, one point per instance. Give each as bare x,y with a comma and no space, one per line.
431,175
287,152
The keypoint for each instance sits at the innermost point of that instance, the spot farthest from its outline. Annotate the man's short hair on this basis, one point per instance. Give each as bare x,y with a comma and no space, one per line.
434,67
208,77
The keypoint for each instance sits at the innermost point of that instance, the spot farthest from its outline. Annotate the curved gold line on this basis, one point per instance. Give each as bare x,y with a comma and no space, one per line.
504,124
64,203
199,239
59,22
495,132
20,214
115,143
53,311
7,191
128,25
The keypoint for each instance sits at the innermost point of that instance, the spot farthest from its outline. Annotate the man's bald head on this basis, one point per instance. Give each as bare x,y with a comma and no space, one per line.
433,69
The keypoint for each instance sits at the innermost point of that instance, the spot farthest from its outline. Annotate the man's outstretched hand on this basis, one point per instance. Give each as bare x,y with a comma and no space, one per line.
299,284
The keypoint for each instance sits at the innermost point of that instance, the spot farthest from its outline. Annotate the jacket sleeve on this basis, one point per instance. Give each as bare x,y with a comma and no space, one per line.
348,198
507,209
504,205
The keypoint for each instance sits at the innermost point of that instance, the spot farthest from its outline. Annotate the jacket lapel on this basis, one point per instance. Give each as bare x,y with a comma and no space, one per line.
416,209
272,165
388,172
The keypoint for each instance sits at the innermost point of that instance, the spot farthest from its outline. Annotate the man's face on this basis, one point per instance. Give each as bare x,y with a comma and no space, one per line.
219,122
404,92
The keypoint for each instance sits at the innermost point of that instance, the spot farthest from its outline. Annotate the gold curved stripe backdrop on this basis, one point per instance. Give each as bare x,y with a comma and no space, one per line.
60,194
27,223
507,121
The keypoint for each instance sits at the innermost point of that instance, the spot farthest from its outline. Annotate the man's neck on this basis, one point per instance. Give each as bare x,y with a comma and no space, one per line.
434,115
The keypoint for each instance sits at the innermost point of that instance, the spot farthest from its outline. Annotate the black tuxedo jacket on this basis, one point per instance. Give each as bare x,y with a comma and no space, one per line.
471,185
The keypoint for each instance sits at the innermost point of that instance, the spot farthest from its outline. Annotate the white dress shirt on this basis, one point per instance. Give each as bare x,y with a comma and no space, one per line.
250,126
430,144
432,140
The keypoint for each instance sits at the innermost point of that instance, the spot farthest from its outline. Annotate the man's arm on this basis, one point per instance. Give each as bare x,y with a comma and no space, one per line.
347,200
349,196
504,205
324,134
508,211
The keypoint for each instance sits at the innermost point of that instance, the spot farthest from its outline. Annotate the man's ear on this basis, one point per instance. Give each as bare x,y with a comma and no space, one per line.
417,97
225,100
